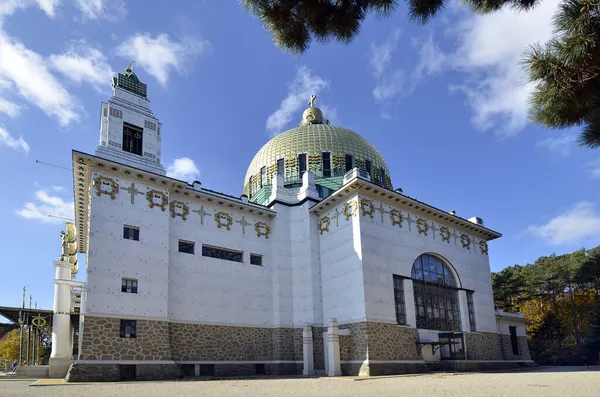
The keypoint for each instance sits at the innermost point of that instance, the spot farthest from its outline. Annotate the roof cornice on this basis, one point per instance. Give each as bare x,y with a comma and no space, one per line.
359,185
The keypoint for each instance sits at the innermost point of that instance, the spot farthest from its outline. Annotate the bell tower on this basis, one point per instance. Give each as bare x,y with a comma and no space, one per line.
129,133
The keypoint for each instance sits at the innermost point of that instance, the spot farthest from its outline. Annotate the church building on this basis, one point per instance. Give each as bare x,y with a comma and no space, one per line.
320,267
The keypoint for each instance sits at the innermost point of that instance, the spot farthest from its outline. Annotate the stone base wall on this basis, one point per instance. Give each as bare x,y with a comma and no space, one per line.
392,342
112,372
101,340
319,348
484,346
508,351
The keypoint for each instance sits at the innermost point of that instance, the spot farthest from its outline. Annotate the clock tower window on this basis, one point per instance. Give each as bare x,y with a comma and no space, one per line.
132,138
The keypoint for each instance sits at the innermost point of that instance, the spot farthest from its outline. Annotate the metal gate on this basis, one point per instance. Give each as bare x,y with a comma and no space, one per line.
452,346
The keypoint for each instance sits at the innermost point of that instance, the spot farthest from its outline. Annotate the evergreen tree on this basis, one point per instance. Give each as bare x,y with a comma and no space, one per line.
593,335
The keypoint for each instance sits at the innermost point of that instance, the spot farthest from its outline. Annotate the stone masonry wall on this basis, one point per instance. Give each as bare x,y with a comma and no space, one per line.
392,342
523,348
319,348
484,346
198,342
101,340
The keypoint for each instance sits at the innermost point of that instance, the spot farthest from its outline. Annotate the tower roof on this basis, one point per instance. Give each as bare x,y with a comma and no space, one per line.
129,81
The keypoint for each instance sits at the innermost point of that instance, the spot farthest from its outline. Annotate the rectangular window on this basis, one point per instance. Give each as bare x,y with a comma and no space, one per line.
129,285
222,253
186,247
369,169
382,176
150,125
281,167
250,187
128,328
471,311
132,138
263,176
514,341
302,163
105,112
116,113
256,260
131,233
349,162
326,156
399,300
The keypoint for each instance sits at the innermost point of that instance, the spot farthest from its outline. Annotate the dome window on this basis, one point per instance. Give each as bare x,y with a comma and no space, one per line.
326,157
349,162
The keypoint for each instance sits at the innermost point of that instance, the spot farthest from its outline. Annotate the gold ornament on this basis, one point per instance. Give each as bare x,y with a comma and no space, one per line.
223,219
350,209
367,207
176,204
157,198
445,234
465,241
262,229
324,224
483,247
106,185
396,217
422,226
39,321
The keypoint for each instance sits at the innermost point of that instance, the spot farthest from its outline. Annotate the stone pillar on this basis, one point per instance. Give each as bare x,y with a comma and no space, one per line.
307,350
333,348
464,311
60,358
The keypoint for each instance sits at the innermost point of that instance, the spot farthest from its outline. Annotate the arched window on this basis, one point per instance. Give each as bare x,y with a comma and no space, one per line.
436,295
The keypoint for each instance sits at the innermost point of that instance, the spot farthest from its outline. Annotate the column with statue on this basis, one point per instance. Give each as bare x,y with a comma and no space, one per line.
66,266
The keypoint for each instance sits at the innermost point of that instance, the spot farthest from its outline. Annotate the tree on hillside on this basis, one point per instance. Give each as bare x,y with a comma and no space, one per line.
565,71
9,345
593,335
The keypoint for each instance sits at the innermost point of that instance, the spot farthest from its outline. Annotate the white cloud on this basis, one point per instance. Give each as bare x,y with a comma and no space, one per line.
304,85
490,50
561,146
46,204
111,10
83,64
8,7
13,143
28,73
593,167
388,83
160,56
431,61
183,169
11,109
577,223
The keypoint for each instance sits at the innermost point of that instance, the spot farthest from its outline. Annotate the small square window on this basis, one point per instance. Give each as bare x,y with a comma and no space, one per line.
129,285
131,233
186,247
256,260
128,329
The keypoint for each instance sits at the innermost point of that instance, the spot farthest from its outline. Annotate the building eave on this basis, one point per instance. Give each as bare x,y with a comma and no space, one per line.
360,185
84,164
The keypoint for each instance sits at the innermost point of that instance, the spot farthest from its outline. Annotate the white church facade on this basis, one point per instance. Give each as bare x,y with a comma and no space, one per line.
320,267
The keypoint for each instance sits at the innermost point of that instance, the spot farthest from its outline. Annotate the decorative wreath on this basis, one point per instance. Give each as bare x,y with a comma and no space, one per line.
262,229
104,181
350,209
39,321
152,194
223,219
422,226
465,241
483,247
396,217
185,210
324,224
367,207
445,234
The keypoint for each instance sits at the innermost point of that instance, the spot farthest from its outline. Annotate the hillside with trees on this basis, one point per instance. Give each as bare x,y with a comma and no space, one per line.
560,296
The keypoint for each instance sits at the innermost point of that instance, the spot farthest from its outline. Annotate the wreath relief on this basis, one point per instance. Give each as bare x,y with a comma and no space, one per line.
445,234
422,226
262,229
483,247
465,241
223,219
396,217
367,207
350,209
324,224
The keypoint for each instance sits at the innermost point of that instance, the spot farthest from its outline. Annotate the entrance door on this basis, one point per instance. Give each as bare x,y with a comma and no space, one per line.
452,346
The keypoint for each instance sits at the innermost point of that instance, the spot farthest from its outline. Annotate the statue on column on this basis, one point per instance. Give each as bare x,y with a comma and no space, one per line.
69,246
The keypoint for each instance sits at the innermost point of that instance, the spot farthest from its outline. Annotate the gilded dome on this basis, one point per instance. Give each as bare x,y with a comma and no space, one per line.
316,139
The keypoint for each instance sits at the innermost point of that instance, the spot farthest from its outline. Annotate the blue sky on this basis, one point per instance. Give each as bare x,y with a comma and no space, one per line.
444,103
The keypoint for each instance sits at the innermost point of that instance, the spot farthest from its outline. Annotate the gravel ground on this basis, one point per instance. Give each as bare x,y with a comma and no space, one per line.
564,382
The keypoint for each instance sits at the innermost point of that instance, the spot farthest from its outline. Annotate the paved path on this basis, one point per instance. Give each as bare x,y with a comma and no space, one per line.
564,382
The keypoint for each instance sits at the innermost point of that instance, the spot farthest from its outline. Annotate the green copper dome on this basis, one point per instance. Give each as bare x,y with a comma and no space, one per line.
327,151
